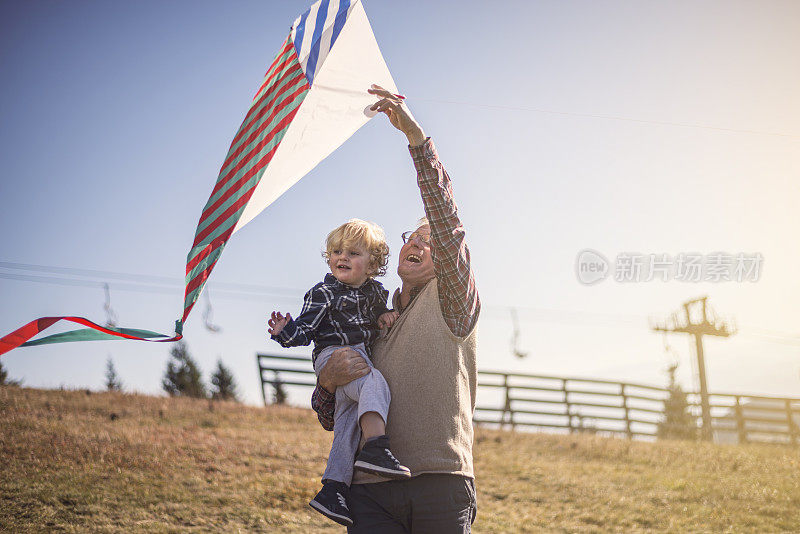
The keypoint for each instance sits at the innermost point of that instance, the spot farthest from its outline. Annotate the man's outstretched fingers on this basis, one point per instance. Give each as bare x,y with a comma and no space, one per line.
385,105
381,105
399,116
378,90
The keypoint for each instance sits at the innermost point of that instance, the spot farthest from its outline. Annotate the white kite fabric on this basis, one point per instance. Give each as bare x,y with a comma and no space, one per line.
337,103
311,100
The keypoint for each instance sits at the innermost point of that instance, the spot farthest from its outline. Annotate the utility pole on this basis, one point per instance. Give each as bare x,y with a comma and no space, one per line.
703,322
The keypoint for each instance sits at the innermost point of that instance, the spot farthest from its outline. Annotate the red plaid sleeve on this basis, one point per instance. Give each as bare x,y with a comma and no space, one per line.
324,403
458,294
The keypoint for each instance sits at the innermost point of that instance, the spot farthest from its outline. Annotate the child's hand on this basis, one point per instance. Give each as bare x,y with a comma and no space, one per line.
277,322
386,320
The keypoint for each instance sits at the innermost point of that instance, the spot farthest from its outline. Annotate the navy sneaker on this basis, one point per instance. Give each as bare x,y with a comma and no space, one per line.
376,458
331,501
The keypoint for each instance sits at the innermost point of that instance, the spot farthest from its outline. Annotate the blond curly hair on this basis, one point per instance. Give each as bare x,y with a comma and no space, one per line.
364,233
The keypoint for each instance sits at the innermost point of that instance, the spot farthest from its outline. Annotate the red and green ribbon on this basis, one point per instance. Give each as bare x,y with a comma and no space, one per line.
277,101
95,332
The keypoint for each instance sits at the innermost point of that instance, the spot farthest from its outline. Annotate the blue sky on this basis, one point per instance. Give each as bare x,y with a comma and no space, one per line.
622,127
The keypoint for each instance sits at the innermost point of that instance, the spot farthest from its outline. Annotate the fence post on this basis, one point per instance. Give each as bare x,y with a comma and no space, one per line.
625,406
790,422
507,405
261,379
566,402
740,422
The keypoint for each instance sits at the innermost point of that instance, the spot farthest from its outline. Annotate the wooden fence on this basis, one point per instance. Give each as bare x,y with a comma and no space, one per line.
572,404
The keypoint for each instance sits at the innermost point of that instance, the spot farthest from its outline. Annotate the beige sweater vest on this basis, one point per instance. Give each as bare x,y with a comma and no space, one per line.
432,377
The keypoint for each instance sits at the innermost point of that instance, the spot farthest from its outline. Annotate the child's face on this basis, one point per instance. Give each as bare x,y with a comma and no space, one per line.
350,264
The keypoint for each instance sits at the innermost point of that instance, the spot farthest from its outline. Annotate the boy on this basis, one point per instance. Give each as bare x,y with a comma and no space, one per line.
347,309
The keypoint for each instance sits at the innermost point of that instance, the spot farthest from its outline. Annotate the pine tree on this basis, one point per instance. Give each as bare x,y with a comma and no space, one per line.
4,381
224,385
678,421
279,394
113,382
182,378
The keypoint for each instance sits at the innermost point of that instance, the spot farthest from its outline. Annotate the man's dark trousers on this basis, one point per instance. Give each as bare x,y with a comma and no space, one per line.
428,503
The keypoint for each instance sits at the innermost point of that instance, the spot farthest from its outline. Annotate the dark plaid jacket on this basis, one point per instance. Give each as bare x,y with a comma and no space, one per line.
336,314
458,294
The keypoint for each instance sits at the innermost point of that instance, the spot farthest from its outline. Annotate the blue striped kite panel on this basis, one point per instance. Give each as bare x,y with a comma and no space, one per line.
316,31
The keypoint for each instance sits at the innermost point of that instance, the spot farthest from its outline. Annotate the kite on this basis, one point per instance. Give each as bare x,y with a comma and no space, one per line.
312,99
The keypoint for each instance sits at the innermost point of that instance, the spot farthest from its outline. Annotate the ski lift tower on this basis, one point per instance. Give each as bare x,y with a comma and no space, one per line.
698,319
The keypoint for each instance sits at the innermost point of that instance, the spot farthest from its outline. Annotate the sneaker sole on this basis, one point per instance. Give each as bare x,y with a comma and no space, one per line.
342,520
381,471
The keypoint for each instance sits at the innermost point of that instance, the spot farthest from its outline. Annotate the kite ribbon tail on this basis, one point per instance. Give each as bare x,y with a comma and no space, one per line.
21,336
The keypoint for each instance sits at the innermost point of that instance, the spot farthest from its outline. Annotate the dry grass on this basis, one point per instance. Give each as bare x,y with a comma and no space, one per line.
104,462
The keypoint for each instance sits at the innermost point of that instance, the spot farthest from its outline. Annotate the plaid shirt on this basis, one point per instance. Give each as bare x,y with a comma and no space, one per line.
458,295
336,314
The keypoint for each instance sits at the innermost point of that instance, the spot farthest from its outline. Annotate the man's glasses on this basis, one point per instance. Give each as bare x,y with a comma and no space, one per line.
411,234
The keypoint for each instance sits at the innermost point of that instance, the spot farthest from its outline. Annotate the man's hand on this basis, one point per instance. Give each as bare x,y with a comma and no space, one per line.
386,320
344,366
399,115
277,322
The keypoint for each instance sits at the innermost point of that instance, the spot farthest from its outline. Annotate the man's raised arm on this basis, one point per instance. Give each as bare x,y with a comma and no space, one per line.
458,294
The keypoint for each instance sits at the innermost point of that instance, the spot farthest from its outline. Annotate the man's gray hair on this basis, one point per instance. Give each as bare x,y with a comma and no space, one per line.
423,221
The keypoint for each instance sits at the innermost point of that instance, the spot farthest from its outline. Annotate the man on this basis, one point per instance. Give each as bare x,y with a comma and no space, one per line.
428,360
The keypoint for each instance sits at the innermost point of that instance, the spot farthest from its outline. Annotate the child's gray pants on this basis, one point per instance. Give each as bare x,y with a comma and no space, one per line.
370,393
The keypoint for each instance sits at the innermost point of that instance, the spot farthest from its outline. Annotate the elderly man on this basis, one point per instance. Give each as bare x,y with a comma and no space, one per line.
428,360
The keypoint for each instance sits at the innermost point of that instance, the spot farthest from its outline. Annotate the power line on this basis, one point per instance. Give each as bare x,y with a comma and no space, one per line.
555,315
246,292
545,314
608,117
783,339
573,317
79,283
140,288
141,277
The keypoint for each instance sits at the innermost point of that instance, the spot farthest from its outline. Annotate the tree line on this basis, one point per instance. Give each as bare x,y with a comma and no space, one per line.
183,378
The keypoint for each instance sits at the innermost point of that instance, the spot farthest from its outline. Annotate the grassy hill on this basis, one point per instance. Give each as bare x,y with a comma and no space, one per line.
105,462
